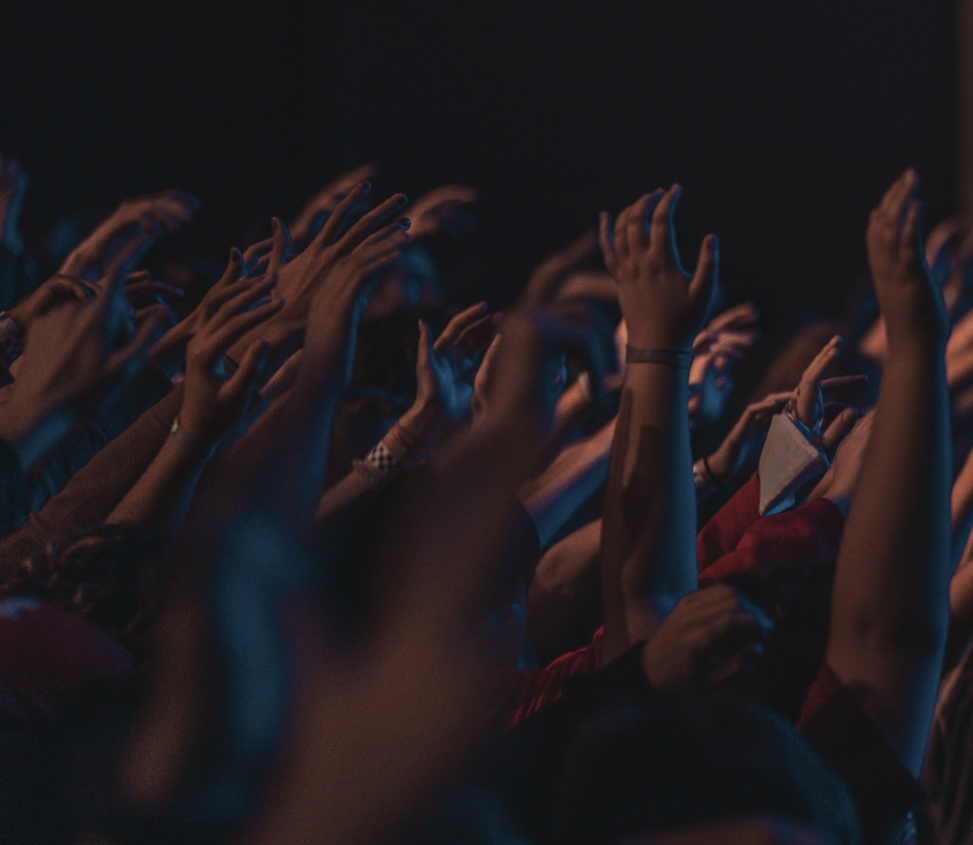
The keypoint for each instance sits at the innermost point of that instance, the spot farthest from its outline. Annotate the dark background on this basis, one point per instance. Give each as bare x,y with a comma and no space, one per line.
783,122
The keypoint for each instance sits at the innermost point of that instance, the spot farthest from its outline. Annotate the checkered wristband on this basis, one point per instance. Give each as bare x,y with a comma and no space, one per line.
379,465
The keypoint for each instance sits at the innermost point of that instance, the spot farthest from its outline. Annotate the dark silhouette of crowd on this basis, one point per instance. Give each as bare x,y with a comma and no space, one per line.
312,550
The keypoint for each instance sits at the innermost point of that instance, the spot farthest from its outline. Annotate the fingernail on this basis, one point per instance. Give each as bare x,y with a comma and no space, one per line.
366,187
483,305
405,223
401,200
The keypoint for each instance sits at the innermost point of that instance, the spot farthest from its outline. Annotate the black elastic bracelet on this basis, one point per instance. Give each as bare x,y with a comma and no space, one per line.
712,475
681,358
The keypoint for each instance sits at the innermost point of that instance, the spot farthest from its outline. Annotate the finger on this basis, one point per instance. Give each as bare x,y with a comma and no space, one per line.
606,240
236,327
281,249
896,195
245,378
825,358
184,198
637,226
476,337
124,363
910,247
661,232
737,317
338,218
459,323
369,222
239,296
838,431
546,278
839,383
425,355
704,285
121,263
389,241
254,253
235,269
137,276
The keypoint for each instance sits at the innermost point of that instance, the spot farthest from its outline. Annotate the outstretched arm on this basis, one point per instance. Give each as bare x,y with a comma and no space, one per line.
890,600
648,553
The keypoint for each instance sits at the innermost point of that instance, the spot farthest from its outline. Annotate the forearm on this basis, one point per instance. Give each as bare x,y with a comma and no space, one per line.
573,476
894,564
564,592
648,552
161,497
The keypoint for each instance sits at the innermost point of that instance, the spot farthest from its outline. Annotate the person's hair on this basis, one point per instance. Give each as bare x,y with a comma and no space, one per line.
112,577
671,759
797,597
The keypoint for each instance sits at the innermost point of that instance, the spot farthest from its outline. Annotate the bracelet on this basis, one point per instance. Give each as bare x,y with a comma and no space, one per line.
681,358
193,448
379,464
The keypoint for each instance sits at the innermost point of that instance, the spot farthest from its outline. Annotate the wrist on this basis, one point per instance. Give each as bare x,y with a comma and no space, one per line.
423,421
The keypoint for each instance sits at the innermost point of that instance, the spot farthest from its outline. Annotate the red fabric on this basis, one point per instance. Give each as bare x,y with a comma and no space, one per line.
737,539
534,689
833,722
47,654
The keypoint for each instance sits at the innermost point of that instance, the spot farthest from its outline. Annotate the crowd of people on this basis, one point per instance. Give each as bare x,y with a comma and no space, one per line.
311,552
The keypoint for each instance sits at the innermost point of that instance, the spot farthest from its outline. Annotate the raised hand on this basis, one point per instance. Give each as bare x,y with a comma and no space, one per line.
13,186
74,362
340,272
142,290
445,371
317,209
663,306
740,449
912,306
143,219
725,339
214,403
301,277
848,451
443,209
48,293
649,563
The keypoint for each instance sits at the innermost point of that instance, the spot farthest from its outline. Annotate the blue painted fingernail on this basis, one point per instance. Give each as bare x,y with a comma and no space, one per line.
367,187
405,222
402,199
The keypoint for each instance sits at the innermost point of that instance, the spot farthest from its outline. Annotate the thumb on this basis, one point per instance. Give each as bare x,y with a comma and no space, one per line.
424,358
839,429
280,251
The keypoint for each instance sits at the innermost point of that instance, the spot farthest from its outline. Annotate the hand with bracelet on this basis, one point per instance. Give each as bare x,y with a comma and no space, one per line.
648,552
